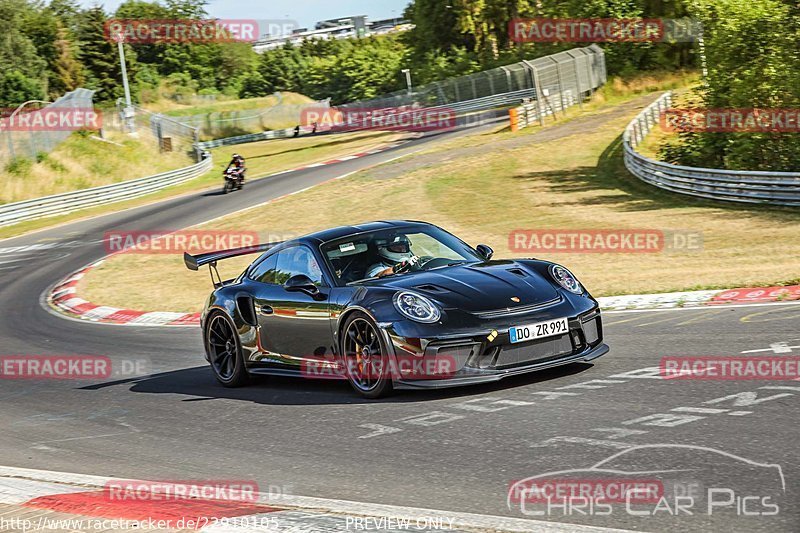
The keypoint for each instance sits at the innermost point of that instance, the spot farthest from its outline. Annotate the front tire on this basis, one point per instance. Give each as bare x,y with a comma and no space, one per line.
225,351
365,357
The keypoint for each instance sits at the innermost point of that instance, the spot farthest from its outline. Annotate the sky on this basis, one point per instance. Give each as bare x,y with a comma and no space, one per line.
304,12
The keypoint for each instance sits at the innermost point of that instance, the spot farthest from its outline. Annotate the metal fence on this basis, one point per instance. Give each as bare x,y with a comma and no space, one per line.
29,144
60,204
579,71
167,133
755,187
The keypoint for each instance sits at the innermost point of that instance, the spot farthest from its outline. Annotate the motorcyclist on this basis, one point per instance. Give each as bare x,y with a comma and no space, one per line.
395,257
238,167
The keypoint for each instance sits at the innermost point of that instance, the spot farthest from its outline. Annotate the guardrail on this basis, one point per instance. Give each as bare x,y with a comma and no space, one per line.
535,110
252,137
754,187
60,204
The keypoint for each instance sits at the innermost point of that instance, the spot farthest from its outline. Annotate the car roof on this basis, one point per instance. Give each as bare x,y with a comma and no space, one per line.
332,234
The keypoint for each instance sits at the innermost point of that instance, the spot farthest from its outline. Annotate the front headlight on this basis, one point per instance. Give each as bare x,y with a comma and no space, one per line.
566,279
416,307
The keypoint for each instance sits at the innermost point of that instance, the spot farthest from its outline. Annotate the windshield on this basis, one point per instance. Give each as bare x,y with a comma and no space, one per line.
359,257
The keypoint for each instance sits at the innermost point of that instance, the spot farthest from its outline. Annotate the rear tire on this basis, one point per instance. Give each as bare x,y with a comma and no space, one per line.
225,351
365,357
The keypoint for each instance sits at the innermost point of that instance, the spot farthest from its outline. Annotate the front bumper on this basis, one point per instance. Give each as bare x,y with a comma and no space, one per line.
488,376
486,354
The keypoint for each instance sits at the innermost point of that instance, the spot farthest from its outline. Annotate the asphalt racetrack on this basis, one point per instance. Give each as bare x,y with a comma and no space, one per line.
454,449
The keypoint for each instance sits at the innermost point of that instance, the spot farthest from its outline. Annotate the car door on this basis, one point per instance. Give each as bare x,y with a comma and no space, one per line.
295,325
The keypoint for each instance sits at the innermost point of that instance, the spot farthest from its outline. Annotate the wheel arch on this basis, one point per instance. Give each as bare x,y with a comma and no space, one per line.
381,331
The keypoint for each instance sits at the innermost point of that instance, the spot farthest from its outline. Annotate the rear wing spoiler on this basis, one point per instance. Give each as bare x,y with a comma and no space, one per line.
194,262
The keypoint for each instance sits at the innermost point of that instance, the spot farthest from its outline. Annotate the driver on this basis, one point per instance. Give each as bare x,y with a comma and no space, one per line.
395,257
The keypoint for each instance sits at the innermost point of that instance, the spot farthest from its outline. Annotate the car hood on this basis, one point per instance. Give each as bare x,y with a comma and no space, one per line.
478,287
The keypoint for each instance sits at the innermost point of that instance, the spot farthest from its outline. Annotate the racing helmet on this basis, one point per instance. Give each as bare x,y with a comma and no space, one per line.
395,249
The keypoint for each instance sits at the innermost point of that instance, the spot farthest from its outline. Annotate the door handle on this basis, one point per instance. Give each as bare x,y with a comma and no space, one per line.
266,310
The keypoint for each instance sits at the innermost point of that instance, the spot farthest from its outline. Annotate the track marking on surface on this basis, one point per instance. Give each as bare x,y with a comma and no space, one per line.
776,347
488,405
679,416
701,318
748,318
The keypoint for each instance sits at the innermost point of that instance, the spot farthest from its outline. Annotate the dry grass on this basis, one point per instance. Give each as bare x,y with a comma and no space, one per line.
81,162
197,106
575,180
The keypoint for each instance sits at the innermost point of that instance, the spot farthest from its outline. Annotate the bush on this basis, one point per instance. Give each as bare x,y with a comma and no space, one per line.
19,166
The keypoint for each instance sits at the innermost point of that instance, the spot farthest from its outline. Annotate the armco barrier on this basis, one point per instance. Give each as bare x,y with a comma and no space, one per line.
60,204
755,187
252,137
534,111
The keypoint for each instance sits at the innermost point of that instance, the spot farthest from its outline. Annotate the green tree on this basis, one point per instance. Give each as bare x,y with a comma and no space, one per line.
22,71
753,58
16,88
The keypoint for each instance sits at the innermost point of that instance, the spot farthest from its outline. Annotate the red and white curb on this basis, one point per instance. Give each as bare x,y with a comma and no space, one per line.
64,298
33,494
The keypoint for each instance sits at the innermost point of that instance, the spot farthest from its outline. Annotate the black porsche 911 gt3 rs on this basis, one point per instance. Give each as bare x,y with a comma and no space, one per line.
397,304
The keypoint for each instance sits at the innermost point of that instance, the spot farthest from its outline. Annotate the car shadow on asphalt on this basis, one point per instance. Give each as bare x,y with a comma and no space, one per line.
198,384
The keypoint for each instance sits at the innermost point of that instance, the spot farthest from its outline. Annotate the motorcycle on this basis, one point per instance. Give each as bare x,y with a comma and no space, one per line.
233,180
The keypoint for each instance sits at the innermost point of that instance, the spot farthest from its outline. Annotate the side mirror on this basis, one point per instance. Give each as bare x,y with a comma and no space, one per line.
485,252
301,283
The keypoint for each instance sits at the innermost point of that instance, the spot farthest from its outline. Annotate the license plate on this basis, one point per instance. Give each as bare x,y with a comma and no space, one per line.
539,330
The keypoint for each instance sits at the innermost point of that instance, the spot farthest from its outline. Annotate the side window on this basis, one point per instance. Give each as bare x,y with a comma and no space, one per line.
265,270
294,261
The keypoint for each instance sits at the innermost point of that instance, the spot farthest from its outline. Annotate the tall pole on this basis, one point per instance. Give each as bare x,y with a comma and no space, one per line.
127,113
